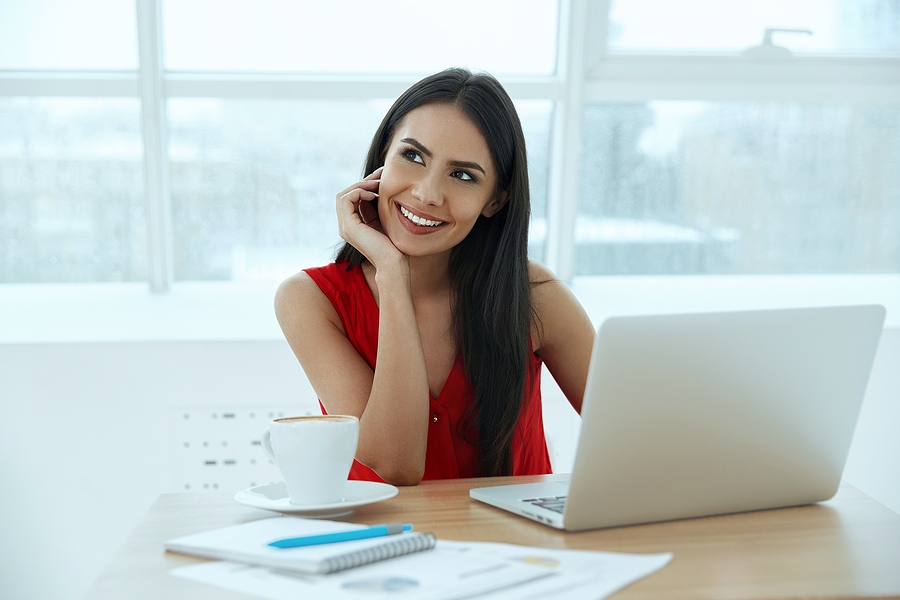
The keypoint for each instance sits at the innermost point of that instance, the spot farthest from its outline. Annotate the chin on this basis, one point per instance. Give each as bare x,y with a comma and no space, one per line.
416,249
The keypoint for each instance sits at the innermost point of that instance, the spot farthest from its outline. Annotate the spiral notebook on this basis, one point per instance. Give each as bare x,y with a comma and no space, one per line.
248,543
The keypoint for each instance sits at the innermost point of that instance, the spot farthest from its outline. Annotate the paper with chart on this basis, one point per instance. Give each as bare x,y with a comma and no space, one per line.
451,571
574,574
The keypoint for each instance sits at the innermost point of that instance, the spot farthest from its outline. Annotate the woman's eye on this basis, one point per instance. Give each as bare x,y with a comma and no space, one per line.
413,156
463,176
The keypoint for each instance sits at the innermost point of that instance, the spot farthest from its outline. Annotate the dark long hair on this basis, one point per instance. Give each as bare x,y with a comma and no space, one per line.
489,268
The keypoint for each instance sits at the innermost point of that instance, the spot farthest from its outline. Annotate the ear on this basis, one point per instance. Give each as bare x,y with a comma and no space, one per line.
496,204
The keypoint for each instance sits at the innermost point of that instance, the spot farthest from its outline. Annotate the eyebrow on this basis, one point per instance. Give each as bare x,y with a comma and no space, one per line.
456,163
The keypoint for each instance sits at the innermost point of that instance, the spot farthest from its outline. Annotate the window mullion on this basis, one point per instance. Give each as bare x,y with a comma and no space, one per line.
157,195
565,161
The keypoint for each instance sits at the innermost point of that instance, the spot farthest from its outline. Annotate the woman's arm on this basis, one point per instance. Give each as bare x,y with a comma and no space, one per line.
563,334
392,402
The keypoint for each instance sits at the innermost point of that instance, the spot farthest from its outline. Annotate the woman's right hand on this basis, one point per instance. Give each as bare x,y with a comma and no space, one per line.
359,225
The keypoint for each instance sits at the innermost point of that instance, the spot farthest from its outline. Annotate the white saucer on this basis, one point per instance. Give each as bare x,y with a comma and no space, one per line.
274,496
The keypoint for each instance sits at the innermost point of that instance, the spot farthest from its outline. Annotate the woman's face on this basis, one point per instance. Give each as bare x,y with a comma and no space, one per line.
438,178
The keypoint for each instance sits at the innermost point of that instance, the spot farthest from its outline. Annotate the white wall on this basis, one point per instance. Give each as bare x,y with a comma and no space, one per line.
873,465
86,444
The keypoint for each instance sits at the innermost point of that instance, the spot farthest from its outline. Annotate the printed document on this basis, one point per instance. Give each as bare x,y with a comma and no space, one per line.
453,570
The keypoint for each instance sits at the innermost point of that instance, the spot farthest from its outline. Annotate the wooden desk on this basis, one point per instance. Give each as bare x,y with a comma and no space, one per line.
848,547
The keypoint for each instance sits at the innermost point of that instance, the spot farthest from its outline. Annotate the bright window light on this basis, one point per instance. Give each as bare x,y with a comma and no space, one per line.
733,25
62,34
360,36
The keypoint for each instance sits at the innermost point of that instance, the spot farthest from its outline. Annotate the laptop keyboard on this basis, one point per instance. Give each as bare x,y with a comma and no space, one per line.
554,503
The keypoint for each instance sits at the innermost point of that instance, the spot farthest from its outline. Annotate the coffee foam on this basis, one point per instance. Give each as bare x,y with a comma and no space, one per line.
315,419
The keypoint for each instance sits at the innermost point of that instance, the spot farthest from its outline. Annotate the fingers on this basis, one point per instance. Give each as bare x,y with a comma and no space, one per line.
367,212
370,183
358,221
350,205
355,201
355,207
370,189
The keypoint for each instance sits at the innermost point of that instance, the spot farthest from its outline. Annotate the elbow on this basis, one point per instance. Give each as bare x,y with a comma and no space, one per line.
395,462
401,472
401,477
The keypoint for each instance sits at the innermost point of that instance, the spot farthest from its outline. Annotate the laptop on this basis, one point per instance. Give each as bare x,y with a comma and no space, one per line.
693,415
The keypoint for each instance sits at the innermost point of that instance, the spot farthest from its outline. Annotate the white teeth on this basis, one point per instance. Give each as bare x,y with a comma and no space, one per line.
419,220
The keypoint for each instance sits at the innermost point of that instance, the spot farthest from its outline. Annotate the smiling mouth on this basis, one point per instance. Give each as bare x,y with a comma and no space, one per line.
418,220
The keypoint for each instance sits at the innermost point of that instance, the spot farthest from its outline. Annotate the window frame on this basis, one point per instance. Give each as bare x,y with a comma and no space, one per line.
585,72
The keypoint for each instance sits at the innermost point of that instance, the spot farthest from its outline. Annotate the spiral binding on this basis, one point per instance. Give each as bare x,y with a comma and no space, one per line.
403,544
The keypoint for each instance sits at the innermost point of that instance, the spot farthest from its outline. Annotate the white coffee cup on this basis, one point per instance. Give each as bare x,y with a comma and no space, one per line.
314,453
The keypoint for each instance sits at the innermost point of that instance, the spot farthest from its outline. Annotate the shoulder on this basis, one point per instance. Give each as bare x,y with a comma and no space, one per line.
300,301
539,273
546,287
297,286
334,277
554,306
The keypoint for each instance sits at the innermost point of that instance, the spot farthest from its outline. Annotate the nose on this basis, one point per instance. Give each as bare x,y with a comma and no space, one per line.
428,189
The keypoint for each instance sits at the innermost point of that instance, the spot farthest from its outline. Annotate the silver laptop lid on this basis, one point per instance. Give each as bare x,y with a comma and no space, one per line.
702,414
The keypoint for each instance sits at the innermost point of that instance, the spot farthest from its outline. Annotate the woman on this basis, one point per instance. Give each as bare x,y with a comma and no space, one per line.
432,324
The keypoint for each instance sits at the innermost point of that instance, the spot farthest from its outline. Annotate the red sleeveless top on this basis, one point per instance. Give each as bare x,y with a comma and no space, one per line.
448,455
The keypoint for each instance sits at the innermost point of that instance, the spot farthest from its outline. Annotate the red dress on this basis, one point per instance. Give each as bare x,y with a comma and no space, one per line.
448,455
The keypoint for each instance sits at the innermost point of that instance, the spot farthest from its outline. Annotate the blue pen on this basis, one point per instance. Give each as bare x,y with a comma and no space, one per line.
343,536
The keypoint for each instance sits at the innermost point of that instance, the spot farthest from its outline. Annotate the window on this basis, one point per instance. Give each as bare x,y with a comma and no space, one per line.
659,148
706,151
268,113
71,195
739,188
